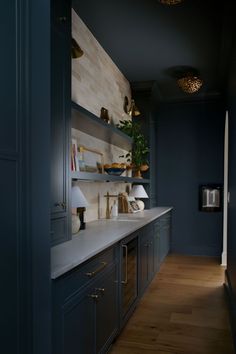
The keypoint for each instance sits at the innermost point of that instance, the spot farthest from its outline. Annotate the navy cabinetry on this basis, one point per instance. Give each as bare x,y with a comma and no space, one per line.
129,276
60,117
162,234
157,244
146,257
85,303
165,230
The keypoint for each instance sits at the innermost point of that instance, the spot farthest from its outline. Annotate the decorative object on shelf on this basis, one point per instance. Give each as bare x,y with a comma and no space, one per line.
190,83
76,51
80,203
115,168
114,171
93,160
74,155
140,147
133,111
104,115
134,207
125,105
108,211
171,2
123,203
138,191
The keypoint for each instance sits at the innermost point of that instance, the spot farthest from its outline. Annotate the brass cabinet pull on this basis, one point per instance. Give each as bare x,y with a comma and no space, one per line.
126,265
92,274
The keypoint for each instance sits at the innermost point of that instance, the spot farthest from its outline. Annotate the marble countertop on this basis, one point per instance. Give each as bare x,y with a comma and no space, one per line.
98,236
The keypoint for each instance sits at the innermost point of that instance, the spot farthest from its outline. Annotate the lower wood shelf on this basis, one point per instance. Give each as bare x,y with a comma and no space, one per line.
98,177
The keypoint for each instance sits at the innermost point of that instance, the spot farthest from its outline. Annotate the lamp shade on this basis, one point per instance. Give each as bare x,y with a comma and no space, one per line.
138,191
78,198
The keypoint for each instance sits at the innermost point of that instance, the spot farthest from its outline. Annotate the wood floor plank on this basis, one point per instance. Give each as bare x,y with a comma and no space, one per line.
183,312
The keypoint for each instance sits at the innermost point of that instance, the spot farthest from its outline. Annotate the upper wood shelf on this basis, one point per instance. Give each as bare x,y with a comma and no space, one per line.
98,177
90,124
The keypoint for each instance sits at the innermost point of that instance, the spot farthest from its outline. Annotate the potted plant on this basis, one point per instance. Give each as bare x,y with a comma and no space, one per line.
140,148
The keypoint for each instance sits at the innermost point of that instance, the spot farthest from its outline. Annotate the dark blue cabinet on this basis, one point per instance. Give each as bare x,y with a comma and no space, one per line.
60,119
165,231
162,235
157,244
129,276
85,307
107,313
77,325
146,257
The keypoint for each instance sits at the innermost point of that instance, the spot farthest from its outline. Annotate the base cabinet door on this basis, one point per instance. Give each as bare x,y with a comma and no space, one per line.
165,231
156,245
128,276
146,258
107,315
78,330
143,263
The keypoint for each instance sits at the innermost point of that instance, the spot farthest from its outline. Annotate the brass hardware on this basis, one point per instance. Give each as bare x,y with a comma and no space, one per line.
125,106
76,51
126,265
92,274
94,296
101,290
133,111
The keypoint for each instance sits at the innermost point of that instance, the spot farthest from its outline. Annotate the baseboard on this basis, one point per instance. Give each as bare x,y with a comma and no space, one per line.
231,306
224,259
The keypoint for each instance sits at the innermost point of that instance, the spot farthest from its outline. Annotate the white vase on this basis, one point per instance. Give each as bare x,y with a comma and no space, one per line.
75,224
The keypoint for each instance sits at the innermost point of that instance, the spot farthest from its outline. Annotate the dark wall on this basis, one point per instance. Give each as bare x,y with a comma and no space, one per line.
190,151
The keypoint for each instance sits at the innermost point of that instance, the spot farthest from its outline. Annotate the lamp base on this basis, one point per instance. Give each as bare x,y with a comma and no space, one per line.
141,204
81,216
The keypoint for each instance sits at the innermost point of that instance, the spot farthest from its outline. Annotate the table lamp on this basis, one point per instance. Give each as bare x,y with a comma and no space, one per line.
138,191
79,202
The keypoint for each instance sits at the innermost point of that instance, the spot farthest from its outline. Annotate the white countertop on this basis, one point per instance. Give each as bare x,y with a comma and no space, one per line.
98,236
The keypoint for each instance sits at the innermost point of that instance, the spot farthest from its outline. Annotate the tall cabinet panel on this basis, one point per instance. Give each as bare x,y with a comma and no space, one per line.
60,119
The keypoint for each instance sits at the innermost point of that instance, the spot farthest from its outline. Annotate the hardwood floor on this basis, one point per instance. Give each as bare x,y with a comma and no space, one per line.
183,312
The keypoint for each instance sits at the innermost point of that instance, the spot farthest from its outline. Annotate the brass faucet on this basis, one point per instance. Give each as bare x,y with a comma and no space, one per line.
108,196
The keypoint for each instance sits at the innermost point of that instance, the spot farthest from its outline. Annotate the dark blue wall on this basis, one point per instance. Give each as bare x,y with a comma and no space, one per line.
190,151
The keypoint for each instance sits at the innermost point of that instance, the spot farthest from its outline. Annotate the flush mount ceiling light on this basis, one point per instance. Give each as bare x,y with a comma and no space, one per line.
190,83
170,2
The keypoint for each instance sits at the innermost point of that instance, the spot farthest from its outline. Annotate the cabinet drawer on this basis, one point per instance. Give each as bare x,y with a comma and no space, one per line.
82,275
58,231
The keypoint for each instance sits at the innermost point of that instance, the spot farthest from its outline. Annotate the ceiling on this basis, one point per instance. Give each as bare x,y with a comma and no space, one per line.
151,41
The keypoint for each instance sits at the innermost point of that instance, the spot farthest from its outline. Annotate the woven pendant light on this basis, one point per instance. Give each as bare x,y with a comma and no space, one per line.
190,83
